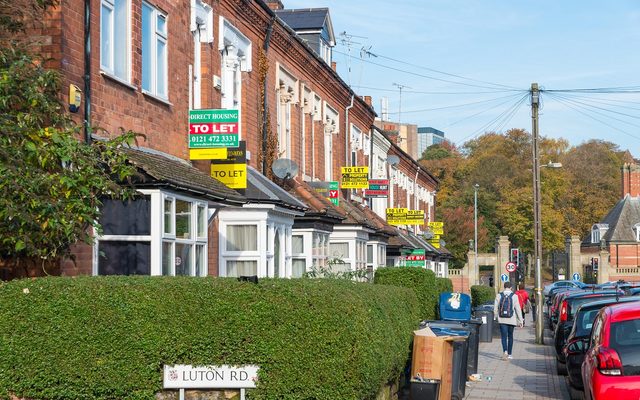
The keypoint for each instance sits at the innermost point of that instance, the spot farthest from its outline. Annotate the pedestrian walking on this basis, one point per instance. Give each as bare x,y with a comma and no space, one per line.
525,304
534,305
507,309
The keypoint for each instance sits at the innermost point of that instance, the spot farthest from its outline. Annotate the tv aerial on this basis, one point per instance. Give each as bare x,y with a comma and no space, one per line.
284,168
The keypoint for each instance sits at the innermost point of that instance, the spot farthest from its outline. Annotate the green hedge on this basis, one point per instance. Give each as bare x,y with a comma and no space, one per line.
481,294
109,337
422,281
444,285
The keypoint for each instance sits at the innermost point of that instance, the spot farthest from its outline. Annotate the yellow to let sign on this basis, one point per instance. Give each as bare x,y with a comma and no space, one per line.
217,153
233,176
435,243
436,228
415,217
355,178
397,216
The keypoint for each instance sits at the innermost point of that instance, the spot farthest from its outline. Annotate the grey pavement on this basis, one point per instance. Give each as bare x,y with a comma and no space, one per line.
530,375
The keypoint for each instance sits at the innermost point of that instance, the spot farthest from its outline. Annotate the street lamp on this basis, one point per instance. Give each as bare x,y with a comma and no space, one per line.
475,225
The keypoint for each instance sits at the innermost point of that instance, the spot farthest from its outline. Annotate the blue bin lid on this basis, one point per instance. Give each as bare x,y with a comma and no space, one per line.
455,306
449,331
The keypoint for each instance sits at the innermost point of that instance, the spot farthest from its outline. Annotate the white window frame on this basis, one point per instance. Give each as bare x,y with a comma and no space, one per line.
287,94
636,229
114,26
156,37
194,240
331,127
158,236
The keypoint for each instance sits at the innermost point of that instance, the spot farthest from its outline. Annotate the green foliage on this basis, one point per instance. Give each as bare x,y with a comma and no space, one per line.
109,337
421,281
444,285
481,294
50,182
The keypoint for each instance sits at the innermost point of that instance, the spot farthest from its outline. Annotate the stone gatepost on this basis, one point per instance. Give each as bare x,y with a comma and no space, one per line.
502,258
604,266
572,247
474,274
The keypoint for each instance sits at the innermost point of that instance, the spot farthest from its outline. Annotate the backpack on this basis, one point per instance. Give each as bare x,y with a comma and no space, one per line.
505,306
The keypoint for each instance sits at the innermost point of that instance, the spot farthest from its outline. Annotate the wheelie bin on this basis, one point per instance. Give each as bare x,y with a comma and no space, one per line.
424,389
485,315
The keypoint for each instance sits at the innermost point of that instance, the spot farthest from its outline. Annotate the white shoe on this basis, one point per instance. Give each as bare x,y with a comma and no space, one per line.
505,355
510,357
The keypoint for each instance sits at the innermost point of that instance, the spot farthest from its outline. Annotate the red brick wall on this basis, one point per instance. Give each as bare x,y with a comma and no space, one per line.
624,255
631,180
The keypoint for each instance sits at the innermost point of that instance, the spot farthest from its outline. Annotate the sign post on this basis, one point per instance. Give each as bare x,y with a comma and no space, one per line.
183,377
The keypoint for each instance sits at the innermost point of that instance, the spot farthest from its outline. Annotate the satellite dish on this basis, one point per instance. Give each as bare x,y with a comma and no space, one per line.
284,168
393,160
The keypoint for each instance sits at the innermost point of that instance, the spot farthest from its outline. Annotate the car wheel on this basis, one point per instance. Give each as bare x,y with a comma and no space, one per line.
561,368
575,394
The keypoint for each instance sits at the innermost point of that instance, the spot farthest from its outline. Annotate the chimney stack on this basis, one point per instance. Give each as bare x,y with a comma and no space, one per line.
630,180
367,100
333,65
275,4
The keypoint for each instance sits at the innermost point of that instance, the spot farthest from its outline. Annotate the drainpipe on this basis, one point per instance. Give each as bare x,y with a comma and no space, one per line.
265,47
304,133
313,147
87,71
347,159
415,198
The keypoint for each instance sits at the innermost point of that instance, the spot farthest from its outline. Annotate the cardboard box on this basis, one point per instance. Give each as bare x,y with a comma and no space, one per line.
433,358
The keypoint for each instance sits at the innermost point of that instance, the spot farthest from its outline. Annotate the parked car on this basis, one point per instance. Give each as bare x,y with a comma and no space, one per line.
578,341
555,305
632,291
562,284
611,367
566,311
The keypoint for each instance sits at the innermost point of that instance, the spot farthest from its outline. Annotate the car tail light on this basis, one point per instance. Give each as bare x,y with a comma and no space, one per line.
609,361
563,311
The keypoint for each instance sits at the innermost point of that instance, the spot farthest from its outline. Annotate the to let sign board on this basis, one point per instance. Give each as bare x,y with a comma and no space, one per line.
377,188
415,217
232,171
416,258
334,195
355,177
213,128
436,227
397,216
210,377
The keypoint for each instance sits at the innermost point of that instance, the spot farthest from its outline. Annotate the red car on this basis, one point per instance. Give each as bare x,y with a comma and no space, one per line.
611,368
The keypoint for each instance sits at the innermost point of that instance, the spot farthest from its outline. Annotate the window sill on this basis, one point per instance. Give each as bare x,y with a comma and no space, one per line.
152,96
115,79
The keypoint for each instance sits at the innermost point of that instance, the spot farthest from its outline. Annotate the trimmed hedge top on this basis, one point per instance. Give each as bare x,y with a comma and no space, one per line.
109,337
482,294
422,281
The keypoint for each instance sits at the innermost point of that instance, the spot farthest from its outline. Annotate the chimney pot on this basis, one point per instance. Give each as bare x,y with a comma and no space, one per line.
333,65
367,100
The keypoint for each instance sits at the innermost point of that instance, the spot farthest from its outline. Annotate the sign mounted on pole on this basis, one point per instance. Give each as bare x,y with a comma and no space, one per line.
355,178
397,216
511,266
378,188
232,171
504,278
416,258
436,227
576,276
334,194
213,128
415,217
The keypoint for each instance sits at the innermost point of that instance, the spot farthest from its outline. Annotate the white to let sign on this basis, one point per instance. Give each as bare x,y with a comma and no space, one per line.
210,377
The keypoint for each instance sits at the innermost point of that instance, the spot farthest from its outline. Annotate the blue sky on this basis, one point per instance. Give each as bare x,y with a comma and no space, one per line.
502,47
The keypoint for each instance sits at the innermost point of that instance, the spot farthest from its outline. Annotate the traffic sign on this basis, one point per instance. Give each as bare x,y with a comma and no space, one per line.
511,266
576,276
504,278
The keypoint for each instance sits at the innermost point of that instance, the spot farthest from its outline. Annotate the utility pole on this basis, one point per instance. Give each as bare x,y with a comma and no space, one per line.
475,231
535,104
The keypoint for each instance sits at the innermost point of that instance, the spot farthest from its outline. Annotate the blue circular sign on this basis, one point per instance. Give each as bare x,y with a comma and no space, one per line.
576,276
504,278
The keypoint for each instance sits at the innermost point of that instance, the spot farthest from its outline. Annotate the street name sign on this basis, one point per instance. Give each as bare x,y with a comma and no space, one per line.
210,377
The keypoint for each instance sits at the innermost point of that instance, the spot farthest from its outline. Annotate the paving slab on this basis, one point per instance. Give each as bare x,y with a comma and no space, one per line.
531,375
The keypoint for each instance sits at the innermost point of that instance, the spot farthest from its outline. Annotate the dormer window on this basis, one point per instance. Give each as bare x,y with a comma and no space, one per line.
636,231
597,232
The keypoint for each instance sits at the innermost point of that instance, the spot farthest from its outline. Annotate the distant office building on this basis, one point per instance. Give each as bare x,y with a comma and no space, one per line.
428,136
